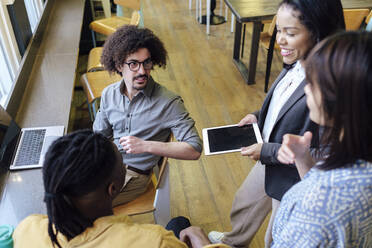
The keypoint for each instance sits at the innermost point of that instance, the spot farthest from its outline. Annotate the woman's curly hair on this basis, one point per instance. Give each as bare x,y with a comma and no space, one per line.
126,41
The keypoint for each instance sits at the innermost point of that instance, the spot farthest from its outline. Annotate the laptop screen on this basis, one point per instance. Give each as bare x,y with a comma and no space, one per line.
9,132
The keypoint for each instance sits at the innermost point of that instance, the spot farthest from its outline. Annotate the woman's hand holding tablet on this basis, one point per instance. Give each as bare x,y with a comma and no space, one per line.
231,138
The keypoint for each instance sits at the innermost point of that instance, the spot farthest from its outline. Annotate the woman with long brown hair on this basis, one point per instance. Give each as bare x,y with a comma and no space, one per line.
331,206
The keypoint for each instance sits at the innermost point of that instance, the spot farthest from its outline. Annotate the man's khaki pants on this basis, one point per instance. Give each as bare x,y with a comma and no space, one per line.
135,184
250,208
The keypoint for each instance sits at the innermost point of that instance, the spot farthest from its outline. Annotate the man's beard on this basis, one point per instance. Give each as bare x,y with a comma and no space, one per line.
123,87
142,86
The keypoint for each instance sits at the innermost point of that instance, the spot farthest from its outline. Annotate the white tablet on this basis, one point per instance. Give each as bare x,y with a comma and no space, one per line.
230,138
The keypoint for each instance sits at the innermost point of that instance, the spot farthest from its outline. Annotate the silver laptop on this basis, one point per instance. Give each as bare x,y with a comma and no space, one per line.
24,148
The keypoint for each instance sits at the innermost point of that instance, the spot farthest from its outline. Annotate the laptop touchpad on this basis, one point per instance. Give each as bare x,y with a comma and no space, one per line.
48,141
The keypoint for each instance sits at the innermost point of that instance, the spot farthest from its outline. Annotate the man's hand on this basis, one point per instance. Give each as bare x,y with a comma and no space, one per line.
132,144
194,237
253,151
248,119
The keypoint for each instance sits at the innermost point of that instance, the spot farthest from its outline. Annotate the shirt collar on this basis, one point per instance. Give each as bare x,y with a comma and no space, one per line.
147,91
297,68
99,226
297,72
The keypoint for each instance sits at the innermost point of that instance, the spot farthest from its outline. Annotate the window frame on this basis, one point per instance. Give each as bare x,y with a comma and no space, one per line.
13,57
8,40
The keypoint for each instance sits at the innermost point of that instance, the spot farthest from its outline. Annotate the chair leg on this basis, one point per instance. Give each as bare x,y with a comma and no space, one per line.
90,112
106,8
119,10
221,5
232,22
196,9
162,201
94,106
200,11
94,39
208,16
142,19
268,68
92,9
243,41
270,53
226,13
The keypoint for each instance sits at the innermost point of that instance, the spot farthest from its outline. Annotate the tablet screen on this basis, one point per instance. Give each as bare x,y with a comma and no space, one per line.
231,138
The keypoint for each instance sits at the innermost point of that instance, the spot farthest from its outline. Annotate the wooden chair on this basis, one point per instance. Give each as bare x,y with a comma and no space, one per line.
102,26
93,85
156,198
105,5
94,60
354,18
109,25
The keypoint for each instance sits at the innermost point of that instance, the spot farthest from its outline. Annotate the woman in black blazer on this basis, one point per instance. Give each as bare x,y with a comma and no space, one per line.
300,24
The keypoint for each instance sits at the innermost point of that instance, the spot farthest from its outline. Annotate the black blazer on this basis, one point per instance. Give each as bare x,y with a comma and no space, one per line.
293,118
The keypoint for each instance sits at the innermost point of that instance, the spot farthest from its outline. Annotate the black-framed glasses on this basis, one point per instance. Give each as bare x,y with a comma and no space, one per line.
135,65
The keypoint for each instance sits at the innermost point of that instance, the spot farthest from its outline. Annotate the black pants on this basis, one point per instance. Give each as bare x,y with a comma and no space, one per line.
177,224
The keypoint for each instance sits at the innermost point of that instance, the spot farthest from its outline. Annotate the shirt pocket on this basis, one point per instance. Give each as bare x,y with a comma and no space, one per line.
118,121
119,126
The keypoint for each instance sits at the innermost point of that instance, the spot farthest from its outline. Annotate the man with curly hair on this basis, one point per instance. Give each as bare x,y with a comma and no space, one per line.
138,113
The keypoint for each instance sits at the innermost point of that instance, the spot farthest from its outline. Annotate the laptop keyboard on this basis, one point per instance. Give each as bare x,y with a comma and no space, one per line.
30,149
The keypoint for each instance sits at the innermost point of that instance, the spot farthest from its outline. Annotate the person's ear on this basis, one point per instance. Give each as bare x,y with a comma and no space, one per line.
120,68
112,190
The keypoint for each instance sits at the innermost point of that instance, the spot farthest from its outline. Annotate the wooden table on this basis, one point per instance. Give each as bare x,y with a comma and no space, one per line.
46,102
256,11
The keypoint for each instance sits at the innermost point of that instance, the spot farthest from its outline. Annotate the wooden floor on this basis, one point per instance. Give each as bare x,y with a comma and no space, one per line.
200,69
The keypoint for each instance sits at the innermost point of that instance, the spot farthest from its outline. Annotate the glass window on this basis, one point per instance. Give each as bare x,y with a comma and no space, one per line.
10,57
8,41
6,79
39,5
32,13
